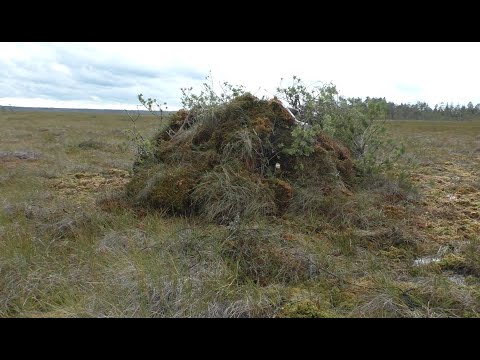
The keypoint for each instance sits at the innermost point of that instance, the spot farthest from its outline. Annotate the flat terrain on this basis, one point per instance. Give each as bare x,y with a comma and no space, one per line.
68,248
446,168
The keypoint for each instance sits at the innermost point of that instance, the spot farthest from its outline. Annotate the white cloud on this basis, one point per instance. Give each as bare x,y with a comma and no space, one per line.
115,73
61,68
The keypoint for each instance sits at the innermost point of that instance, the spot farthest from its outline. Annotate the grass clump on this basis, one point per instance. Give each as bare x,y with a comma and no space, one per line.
92,144
222,195
264,256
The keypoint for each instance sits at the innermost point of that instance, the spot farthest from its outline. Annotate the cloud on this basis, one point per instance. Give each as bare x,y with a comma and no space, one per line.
61,69
408,89
113,74
81,72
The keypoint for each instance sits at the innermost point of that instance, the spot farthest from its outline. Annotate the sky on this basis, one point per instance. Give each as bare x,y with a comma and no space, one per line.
111,75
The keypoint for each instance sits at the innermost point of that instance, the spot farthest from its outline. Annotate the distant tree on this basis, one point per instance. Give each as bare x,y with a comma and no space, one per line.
418,111
470,108
391,110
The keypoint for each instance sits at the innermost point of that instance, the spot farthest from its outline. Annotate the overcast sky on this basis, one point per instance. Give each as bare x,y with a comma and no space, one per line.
111,75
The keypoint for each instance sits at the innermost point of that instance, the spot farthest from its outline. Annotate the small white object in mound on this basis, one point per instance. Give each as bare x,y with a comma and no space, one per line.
451,197
277,166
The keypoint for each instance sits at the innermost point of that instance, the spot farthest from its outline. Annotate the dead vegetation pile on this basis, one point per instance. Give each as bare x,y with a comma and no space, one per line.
234,161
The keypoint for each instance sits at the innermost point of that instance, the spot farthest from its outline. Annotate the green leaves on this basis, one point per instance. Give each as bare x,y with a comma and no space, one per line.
356,123
310,103
150,105
304,138
208,96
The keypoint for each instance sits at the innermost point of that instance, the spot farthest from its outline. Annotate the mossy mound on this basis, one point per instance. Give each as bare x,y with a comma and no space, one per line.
232,161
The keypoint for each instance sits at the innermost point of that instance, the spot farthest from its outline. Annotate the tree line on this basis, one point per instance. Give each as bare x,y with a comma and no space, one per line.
421,110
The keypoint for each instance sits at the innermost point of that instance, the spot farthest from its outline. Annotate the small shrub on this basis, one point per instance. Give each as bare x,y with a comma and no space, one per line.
357,124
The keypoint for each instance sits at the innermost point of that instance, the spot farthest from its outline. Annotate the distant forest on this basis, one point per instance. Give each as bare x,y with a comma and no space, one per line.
391,111
421,110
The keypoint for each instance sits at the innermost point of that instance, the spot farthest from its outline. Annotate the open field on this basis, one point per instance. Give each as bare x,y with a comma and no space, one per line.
69,248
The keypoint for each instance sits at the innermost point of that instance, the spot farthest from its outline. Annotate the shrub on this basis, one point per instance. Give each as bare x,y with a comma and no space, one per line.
357,124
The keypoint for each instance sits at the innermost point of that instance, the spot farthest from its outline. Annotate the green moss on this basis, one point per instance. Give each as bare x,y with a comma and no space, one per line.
306,309
164,187
305,303
172,190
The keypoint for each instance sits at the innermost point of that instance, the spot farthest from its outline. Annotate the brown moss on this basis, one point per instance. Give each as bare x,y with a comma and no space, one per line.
341,152
202,136
283,194
263,126
280,112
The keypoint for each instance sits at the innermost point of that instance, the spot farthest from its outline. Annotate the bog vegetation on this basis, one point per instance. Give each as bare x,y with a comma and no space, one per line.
236,156
307,204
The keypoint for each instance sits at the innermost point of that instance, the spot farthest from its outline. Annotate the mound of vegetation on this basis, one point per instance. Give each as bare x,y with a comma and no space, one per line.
242,158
